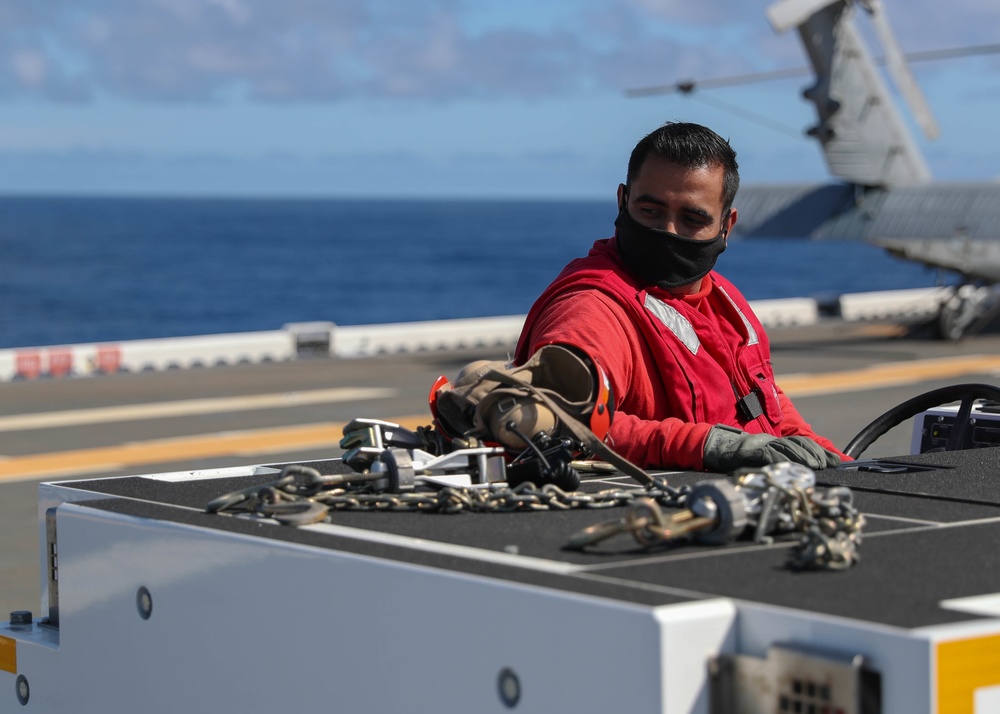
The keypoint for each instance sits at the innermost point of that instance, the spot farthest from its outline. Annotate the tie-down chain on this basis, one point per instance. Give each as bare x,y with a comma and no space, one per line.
393,474
776,499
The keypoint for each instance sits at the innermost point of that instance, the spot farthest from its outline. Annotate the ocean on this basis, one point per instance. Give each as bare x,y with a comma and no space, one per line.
81,270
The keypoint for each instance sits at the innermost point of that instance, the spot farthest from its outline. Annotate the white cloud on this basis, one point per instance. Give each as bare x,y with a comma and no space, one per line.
440,78
433,49
30,68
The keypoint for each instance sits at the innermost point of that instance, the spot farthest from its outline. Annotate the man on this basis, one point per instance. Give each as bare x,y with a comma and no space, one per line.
689,362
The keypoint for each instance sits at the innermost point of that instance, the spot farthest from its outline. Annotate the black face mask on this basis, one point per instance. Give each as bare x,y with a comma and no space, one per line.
663,258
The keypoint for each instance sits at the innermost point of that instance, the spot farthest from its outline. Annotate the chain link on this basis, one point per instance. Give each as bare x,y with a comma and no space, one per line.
831,532
338,494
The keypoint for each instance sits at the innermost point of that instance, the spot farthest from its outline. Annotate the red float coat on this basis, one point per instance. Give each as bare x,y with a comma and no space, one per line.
676,364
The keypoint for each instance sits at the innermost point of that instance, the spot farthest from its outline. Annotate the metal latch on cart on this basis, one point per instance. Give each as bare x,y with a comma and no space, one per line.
381,447
794,678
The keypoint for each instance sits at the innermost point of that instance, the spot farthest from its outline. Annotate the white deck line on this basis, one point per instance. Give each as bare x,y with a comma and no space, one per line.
190,407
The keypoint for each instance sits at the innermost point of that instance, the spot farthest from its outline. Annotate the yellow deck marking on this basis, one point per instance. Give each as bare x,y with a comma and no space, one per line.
963,666
8,655
888,374
323,436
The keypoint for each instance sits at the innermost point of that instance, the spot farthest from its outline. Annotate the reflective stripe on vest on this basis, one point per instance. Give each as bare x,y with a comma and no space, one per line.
752,332
683,329
675,322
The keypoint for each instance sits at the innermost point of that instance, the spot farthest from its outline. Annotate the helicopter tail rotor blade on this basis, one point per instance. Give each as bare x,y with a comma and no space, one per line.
899,70
785,15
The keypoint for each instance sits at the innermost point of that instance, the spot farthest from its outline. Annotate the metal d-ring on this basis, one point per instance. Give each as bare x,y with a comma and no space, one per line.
295,513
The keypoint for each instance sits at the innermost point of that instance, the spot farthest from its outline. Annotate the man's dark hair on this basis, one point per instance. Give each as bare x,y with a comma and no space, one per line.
691,146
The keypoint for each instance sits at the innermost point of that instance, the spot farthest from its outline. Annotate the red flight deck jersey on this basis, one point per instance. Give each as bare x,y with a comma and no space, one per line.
678,365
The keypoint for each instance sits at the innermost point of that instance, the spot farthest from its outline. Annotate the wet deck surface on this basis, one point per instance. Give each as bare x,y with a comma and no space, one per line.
840,376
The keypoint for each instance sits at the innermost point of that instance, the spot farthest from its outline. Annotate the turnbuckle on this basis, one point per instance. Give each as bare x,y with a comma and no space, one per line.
645,522
716,514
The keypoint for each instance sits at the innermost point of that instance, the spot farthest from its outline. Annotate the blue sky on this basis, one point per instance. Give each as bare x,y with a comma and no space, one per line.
427,98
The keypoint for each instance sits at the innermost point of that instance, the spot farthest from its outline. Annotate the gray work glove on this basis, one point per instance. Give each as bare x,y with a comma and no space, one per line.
728,448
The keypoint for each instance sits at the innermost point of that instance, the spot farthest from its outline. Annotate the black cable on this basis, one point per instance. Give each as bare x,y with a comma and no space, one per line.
512,427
